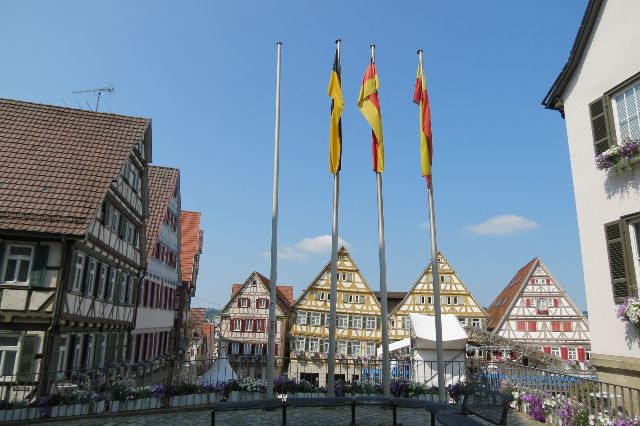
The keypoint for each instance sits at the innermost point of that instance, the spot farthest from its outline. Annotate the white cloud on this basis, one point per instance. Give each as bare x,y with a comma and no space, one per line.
300,251
505,224
424,226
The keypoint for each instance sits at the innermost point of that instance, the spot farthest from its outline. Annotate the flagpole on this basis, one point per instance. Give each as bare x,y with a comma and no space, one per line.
273,277
334,276
436,282
386,368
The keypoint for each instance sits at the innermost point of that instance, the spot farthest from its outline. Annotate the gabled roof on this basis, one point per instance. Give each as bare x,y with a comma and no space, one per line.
190,244
196,316
502,304
57,164
393,298
553,99
162,183
284,293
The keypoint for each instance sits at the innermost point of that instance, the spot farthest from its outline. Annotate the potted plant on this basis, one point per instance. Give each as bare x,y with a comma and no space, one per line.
283,385
252,388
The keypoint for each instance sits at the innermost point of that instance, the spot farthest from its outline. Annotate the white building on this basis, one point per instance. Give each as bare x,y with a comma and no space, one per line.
598,94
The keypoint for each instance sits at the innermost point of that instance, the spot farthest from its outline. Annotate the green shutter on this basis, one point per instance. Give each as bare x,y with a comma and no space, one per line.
602,124
97,345
55,353
622,282
378,323
27,352
39,269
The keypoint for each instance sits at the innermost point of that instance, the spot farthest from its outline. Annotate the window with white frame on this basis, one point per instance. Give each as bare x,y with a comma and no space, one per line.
626,109
62,355
78,274
102,282
342,347
124,280
17,265
371,349
325,346
422,299
343,321
235,348
462,321
258,349
404,322
90,348
635,243
355,349
244,302
91,277
260,326
475,322
360,299
8,354
112,283
347,298
247,349
315,318
314,345
300,342
357,321
555,352
132,286
573,354
371,323
248,325
237,324
430,300
456,300
302,317
103,351
114,223
262,303
77,352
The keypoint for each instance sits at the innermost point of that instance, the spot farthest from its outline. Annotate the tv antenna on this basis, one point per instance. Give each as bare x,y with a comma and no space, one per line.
99,92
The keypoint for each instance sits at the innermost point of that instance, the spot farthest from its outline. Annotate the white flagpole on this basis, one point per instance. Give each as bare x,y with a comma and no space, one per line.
273,278
386,368
334,277
436,282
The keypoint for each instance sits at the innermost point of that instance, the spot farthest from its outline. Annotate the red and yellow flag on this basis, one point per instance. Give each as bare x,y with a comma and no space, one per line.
337,105
369,105
421,98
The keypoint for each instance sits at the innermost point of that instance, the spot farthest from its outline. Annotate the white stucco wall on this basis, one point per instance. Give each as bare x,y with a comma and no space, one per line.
612,56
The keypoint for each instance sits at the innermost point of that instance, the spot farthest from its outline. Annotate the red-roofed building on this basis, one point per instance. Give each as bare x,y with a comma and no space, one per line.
191,239
534,309
244,331
154,334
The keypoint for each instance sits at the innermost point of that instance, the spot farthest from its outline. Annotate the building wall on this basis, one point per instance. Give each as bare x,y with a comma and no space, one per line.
609,60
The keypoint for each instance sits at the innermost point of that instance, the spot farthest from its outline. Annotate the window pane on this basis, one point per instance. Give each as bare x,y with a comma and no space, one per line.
11,270
622,109
630,99
634,128
23,274
20,251
9,362
9,340
624,130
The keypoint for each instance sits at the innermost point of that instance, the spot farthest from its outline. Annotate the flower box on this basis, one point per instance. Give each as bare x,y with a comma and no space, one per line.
71,410
305,395
14,414
143,403
190,400
250,396
98,407
234,396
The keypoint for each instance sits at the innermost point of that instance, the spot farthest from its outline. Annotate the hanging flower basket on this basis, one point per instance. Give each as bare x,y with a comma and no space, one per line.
618,158
629,311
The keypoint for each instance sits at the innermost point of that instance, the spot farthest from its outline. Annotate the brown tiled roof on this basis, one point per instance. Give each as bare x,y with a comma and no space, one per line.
502,304
283,301
196,316
190,243
162,183
393,298
57,163
287,292
235,288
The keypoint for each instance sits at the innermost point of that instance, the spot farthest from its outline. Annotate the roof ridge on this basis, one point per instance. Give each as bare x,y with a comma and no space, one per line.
70,109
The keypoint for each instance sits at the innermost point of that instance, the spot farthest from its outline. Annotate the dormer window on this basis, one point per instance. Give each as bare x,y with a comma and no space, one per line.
254,283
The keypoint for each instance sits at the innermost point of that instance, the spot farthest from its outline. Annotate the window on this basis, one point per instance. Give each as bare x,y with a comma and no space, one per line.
422,299
541,304
573,354
315,318
357,321
103,351
124,280
343,321
102,280
462,321
342,347
635,227
79,269
62,355
300,342
627,112
325,346
520,326
555,325
248,325
404,323
314,345
371,323
18,264
475,322
235,348
555,352
246,350
77,352
89,351
302,317
371,349
347,298
114,223
360,298
91,277
355,349
244,302
259,350
567,326
112,283
262,303
131,290
456,300
254,283
260,326
430,300
237,325
8,353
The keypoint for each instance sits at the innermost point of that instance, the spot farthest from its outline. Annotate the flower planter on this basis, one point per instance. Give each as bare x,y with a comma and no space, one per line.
428,397
143,404
249,395
234,396
190,400
304,395
98,407
212,397
14,414
71,410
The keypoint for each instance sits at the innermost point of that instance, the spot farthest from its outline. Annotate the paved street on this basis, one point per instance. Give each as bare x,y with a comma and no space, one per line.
366,416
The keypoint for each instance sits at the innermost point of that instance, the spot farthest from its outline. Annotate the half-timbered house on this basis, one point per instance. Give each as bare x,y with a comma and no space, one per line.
153,334
244,325
358,328
455,299
536,310
72,248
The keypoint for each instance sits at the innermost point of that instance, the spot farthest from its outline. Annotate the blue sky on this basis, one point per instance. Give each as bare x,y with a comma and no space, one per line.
204,72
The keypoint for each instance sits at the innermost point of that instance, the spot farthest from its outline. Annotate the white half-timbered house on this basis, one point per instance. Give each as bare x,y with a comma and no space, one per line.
244,326
536,310
72,207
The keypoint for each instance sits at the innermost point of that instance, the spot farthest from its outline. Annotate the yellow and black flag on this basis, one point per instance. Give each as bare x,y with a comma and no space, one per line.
337,105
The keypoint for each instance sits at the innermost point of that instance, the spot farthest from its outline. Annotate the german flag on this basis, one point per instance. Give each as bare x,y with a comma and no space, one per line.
421,98
337,105
369,105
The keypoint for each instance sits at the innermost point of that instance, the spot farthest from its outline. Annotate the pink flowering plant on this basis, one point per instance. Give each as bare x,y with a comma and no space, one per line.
629,311
617,159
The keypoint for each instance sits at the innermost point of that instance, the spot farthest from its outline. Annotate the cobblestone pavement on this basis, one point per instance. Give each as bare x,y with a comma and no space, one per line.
365,416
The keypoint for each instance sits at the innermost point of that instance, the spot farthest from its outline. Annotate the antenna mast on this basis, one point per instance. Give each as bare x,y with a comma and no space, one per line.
99,92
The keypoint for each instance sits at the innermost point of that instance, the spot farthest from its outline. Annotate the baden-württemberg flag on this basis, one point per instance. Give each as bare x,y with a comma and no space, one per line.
421,98
369,105
337,105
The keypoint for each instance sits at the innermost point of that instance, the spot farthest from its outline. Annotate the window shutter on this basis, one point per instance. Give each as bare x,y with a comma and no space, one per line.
239,301
349,347
39,266
547,349
53,366
378,323
581,354
619,267
104,213
27,351
564,353
527,302
520,326
306,344
555,303
602,128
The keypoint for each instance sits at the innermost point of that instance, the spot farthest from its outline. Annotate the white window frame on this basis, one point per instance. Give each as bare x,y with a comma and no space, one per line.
78,272
19,259
300,342
356,348
103,350
102,283
343,321
114,219
342,347
124,280
244,302
113,283
430,300
573,354
246,350
259,349
356,321
235,348
91,343
237,324
93,268
634,228
262,303
315,319
370,323
314,345
456,300
301,318
555,351
248,325
475,322
422,300
77,352
635,86
63,353
259,326
542,304
9,348
371,349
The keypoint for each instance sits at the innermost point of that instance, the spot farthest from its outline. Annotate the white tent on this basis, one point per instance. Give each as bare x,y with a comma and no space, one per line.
454,340
220,371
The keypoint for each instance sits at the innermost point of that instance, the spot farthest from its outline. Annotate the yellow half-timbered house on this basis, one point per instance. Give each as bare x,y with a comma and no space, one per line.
358,328
455,299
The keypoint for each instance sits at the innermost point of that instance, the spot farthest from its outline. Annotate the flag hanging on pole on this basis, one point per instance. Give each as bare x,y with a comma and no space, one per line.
337,105
369,105
421,98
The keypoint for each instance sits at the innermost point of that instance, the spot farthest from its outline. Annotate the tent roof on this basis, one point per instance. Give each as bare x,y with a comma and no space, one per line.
423,329
220,371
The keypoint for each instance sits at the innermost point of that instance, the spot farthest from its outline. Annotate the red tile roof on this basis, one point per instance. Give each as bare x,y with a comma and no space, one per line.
190,244
287,292
57,163
162,183
502,304
196,316
235,288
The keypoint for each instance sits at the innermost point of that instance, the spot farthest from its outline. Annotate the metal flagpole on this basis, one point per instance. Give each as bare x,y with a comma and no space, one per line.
334,276
436,282
273,278
386,368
